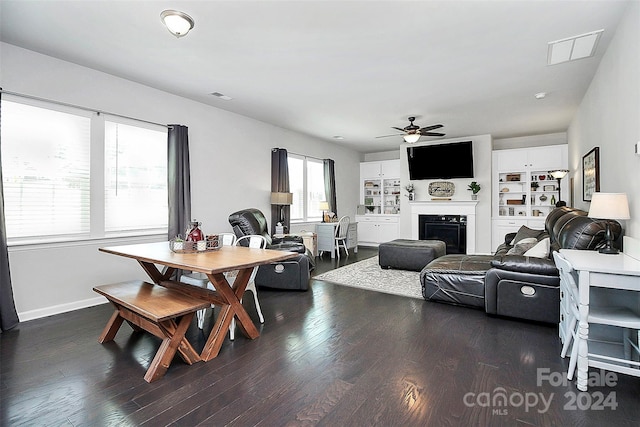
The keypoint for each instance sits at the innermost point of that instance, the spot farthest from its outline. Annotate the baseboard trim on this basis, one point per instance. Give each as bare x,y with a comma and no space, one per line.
25,316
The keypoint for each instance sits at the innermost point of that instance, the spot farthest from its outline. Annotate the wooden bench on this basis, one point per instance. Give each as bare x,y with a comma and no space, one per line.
156,310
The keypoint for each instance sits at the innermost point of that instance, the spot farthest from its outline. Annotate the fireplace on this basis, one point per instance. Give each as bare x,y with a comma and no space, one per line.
463,208
451,229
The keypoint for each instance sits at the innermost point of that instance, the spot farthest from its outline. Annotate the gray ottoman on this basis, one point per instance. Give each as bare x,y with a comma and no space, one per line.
410,255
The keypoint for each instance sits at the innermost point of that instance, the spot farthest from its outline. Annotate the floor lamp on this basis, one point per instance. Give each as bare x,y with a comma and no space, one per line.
609,206
558,175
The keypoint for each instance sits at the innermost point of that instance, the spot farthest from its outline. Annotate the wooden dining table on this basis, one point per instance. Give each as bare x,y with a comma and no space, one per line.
213,263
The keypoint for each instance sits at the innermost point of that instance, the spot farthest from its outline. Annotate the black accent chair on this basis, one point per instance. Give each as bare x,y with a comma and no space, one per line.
289,274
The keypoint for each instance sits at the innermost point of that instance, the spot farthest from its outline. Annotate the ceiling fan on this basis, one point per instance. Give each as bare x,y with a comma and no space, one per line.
412,133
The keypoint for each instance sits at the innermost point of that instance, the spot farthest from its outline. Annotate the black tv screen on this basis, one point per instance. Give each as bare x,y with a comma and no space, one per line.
454,160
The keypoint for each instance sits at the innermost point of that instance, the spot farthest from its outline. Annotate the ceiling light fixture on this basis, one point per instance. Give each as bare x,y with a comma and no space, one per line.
540,95
411,138
178,23
572,48
338,137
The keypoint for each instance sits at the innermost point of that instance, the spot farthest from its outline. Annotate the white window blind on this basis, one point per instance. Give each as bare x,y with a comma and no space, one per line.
306,182
45,168
135,178
315,189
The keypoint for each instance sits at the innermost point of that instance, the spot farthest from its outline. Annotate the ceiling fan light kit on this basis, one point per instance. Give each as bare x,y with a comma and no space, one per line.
412,133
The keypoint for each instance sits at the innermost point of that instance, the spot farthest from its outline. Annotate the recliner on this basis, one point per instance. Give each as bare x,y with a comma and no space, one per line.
289,274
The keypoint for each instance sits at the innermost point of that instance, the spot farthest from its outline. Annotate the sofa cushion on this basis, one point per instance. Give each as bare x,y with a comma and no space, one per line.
524,264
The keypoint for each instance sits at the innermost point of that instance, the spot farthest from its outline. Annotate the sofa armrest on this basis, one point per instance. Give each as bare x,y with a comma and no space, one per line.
279,240
525,264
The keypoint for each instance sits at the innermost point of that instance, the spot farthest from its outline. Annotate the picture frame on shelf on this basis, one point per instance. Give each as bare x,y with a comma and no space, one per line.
590,174
549,188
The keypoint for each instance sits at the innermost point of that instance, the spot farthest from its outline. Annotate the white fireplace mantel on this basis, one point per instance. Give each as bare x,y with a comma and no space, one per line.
446,207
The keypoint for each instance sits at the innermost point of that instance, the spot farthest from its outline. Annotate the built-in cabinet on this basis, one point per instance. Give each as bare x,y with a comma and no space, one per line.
380,187
523,190
376,229
380,193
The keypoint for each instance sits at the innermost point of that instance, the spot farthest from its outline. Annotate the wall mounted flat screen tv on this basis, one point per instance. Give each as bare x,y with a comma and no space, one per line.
441,161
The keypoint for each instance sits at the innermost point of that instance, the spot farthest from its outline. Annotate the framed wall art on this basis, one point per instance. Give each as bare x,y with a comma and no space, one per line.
590,173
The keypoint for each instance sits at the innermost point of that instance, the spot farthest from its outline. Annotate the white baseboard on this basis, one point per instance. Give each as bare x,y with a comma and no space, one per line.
25,316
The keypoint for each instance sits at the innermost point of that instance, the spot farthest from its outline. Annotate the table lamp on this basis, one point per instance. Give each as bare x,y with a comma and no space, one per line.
558,175
281,199
609,206
325,207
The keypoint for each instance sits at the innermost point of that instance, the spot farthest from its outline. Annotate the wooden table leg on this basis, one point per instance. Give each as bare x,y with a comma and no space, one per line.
231,307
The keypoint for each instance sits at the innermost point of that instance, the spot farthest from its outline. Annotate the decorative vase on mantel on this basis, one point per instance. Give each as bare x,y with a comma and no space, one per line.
474,197
411,197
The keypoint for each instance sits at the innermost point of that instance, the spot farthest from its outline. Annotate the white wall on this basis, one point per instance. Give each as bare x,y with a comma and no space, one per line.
230,161
482,170
609,118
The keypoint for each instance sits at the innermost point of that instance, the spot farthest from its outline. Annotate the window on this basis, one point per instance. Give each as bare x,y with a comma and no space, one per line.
306,182
70,174
135,178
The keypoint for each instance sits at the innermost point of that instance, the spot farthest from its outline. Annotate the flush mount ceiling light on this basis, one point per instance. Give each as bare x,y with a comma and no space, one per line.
178,23
221,96
540,95
572,48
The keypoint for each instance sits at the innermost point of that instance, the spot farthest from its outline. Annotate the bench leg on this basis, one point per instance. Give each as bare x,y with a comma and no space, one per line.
168,348
109,332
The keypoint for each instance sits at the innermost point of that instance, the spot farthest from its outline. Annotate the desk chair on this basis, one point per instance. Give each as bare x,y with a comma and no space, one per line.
341,236
612,316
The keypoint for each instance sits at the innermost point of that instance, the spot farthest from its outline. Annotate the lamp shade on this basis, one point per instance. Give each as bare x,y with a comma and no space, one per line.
323,206
178,23
609,206
559,173
281,198
411,138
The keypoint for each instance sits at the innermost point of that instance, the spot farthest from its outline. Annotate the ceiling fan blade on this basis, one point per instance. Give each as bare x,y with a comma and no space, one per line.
400,129
428,128
386,136
432,134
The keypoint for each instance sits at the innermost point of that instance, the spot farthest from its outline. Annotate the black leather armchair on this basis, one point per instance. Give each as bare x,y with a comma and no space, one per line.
290,274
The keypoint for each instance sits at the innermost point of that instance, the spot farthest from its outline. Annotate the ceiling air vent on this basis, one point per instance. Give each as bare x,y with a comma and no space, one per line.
572,48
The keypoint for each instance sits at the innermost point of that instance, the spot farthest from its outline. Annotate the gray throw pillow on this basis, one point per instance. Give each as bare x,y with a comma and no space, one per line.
526,232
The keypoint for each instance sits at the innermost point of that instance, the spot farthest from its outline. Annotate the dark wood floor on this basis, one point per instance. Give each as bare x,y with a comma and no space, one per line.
332,356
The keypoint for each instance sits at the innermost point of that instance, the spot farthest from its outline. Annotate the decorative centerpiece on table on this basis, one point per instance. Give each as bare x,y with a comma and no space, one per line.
410,189
474,187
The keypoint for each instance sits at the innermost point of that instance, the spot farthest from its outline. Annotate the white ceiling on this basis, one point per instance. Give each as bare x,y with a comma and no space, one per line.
349,68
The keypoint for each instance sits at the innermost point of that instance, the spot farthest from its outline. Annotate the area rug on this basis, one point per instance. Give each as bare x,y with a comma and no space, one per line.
367,274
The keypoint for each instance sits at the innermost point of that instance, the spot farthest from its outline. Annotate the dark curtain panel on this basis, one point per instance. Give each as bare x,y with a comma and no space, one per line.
8,313
330,184
279,184
179,180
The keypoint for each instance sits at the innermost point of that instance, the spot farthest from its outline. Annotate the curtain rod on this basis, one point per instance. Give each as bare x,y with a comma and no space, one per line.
303,155
79,107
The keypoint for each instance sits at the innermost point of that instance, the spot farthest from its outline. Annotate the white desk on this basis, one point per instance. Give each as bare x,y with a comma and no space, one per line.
326,237
603,271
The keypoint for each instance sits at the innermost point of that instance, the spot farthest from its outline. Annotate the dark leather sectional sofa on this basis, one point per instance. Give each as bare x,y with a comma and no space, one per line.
515,285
